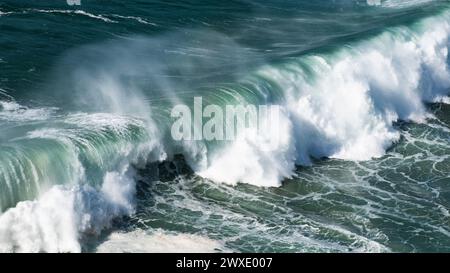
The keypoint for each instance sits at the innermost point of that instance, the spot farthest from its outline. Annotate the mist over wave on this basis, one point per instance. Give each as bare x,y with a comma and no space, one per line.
69,169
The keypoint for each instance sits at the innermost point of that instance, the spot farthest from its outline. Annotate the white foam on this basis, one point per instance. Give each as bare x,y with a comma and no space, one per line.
5,13
399,3
59,218
347,108
158,242
261,158
78,12
396,3
12,111
61,215
101,121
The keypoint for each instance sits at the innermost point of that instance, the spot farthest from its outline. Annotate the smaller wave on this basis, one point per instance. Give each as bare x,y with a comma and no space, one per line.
12,111
396,3
101,121
158,242
77,12
135,18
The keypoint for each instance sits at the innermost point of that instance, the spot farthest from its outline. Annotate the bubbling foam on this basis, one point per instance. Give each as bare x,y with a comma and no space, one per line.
60,217
343,105
158,242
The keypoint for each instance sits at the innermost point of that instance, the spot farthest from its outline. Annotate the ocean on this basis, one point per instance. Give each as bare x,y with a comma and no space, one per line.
88,162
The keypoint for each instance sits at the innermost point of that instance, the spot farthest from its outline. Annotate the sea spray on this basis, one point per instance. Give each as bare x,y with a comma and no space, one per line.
79,189
333,105
339,92
345,110
63,215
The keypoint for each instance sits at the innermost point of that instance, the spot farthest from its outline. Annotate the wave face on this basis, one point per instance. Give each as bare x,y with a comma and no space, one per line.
86,138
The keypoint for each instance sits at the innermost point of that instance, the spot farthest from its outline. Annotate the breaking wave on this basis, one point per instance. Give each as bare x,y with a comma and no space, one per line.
76,174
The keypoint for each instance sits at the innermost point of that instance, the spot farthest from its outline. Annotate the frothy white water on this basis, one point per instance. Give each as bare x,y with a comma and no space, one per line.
403,3
361,91
12,111
344,104
5,13
158,242
60,217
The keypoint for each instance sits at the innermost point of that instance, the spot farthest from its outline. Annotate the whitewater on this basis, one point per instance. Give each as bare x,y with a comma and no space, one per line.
96,147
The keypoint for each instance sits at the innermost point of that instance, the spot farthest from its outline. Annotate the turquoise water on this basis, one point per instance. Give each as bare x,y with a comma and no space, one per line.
87,162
